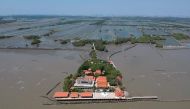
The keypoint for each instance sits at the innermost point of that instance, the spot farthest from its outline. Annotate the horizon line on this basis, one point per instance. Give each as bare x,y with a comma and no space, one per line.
9,15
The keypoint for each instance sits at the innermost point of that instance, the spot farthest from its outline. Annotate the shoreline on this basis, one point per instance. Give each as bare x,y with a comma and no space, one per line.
87,49
69,49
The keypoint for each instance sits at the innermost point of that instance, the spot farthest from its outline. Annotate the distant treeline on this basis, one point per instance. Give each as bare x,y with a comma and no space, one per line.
6,21
100,22
4,37
100,44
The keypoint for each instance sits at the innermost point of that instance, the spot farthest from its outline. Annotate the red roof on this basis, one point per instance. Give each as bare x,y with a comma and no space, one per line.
86,94
101,82
101,79
98,72
119,92
61,94
74,95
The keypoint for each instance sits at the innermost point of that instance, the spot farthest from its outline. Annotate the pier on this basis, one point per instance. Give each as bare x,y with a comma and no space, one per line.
118,100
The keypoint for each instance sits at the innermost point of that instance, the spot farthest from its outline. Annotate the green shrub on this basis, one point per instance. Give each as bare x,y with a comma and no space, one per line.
77,90
180,36
93,54
68,83
35,41
64,41
122,40
100,45
79,43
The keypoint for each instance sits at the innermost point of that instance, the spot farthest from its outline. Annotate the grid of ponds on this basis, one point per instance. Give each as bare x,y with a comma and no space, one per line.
109,30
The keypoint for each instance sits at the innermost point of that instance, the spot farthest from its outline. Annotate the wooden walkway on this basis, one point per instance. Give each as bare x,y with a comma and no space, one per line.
88,101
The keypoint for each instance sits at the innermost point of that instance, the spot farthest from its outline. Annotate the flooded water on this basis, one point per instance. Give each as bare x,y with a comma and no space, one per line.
84,29
25,75
150,71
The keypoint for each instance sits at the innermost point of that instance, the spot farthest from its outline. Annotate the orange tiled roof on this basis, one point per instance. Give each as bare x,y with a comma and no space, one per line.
101,79
74,95
102,84
86,94
61,94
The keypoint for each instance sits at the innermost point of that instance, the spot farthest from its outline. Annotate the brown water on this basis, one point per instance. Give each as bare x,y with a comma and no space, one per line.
150,71
26,75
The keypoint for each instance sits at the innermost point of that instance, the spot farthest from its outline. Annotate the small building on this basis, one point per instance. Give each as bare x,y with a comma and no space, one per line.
86,95
101,82
119,92
74,95
61,95
85,82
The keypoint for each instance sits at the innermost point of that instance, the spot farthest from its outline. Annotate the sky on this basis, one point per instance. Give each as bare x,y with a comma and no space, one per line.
173,8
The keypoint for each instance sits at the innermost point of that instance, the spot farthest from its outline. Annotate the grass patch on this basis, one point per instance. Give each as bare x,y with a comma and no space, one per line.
35,39
142,39
180,36
99,44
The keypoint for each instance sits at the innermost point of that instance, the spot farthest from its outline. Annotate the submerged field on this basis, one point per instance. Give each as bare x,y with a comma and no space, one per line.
52,30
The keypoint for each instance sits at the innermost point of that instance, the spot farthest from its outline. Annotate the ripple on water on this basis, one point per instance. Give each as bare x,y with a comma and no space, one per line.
21,88
142,76
19,82
39,83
